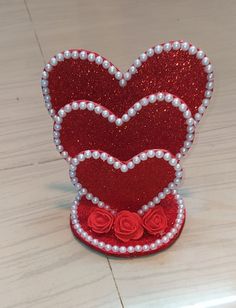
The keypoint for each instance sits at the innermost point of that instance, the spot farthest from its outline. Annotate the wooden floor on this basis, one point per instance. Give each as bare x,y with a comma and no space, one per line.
41,264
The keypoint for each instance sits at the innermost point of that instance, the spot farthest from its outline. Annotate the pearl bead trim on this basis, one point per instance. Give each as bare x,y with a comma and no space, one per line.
125,167
179,221
105,113
123,78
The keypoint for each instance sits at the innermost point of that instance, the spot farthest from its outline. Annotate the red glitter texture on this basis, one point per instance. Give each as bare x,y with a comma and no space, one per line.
175,72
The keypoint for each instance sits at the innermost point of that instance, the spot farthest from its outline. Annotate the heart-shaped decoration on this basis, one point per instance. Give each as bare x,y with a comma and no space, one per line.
158,121
127,203
175,67
135,185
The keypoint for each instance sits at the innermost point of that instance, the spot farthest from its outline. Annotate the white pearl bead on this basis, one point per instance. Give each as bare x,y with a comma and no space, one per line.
75,54
210,77
208,94
110,160
98,109
201,109
168,98
152,98
127,76
156,200
45,91
81,157
200,54
151,154
115,248
91,57
122,249
100,204
106,64
82,105
44,83
205,61
140,212
111,118
210,85
192,50
138,248
67,54
89,196
48,67
189,137
150,52
95,154
166,191
75,106
108,247
176,102
197,117
137,63
112,70
131,112
90,106
158,242
60,57
187,114
178,167
122,83
158,49
176,45
187,144
151,204
136,160
119,122
98,60
130,165
143,156
132,70
153,246
130,249
185,46
159,154
45,75
167,156
118,75
105,113
172,161
143,57
160,96
146,247
124,168
88,154
101,244
103,156
137,106
144,101
47,98
117,165
209,68
64,154
125,118
95,200
205,102
183,107
83,55
167,47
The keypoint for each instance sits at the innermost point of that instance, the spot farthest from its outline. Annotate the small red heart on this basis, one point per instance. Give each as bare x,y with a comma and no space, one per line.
126,188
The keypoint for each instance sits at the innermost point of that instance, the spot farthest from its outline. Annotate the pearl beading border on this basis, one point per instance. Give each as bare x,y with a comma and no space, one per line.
125,167
123,78
105,113
129,249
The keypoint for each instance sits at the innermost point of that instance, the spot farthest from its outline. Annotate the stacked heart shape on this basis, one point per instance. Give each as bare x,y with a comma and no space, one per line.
124,136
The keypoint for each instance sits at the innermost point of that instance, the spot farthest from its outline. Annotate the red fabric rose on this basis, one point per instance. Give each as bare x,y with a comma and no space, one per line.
128,226
155,221
100,221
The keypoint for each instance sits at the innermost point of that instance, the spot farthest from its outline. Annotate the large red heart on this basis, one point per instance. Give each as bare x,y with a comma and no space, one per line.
137,184
175,67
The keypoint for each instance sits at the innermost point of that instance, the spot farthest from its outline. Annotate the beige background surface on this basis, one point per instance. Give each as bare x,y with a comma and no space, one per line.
41,264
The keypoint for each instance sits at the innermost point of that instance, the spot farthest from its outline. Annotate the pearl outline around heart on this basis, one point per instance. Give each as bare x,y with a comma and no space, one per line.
124,167
83,54
160,97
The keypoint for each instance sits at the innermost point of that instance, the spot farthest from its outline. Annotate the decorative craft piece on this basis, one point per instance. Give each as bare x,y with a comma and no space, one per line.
123,135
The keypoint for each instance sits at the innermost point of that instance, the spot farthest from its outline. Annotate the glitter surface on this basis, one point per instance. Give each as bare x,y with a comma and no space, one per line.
175,72
128,190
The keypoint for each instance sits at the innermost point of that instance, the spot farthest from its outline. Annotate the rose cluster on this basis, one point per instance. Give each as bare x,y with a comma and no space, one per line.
128,225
